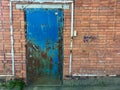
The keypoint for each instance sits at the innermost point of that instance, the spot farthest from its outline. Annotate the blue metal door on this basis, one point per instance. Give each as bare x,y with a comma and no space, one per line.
44,45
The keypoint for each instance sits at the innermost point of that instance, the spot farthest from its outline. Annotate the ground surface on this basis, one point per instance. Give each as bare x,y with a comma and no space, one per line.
99,83
75,88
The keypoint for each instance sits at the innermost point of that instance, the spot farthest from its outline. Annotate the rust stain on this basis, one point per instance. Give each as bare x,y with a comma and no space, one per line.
50,63
37,62
44,55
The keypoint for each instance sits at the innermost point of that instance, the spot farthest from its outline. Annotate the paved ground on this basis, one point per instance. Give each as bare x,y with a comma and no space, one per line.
75,88
101,83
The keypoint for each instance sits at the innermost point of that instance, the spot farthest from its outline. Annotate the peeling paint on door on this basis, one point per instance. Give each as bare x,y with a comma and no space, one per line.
44,45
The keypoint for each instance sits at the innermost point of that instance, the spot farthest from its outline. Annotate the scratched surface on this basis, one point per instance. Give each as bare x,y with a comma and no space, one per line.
44,45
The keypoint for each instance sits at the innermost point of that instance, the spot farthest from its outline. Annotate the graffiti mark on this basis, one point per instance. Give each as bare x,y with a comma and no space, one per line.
89,38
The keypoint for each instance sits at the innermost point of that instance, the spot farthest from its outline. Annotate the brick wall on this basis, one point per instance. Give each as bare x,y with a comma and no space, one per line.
96,48
19,44
5,48
5,41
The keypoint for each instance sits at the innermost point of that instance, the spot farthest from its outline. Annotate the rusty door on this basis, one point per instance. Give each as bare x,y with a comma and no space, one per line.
44,45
